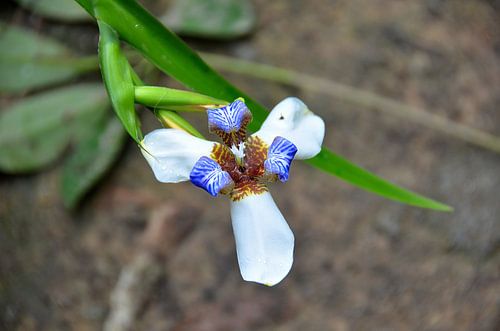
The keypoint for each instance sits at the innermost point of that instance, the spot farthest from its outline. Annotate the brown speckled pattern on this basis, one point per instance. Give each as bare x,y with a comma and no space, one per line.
248,175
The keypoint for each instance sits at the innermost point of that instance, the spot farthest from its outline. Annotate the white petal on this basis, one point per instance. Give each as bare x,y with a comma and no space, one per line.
291,119
172,153
264,241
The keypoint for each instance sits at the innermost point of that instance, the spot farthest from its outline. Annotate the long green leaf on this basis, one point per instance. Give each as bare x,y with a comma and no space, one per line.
139,28
29,61
346,170
91,159
35,131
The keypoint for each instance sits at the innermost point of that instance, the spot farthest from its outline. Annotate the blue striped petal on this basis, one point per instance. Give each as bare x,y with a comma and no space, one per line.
228,118
208,175
279,157
230,122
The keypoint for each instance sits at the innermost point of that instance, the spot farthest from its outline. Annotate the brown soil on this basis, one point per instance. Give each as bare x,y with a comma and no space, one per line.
361,262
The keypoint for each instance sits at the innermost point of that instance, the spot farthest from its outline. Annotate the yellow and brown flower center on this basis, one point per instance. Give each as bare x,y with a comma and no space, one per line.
248,175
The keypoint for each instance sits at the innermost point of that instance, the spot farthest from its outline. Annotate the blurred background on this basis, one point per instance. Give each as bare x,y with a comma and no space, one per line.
124,252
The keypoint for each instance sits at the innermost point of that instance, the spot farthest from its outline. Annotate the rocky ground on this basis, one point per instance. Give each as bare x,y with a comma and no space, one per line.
361,262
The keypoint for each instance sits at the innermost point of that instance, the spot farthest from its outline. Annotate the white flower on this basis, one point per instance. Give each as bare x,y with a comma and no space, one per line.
239,168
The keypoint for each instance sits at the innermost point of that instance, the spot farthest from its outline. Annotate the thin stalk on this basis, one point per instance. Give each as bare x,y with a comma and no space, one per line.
172,119
365,99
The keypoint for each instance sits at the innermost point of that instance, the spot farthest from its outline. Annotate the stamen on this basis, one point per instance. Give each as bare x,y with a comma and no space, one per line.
239,153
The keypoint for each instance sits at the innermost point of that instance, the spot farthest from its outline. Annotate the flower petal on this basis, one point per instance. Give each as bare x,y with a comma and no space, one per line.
264,241
230,122
208,175
279,157
172,153
291,119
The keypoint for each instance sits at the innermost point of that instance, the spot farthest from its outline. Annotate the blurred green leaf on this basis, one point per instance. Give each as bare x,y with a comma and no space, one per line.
36,130
62,10
217,19
118,78
174,57
29,61
91,159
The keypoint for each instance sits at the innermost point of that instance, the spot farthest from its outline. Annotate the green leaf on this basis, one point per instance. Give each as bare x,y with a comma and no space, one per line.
336,165
87,5
118,78
91,160
29,61
216,19
36,130
62,10
136,26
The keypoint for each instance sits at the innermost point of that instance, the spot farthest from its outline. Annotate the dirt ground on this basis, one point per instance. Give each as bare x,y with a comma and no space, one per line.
361,262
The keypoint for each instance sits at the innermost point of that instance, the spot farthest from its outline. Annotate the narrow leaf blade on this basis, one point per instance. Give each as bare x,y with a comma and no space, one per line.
342,168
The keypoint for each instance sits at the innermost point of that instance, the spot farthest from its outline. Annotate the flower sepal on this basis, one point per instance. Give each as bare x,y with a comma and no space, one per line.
291,119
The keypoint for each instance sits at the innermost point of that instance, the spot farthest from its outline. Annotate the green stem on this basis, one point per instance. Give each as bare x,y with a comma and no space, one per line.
162,97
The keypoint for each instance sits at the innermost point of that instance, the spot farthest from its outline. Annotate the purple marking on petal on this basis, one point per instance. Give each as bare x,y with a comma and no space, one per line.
208,175
229,118
279,157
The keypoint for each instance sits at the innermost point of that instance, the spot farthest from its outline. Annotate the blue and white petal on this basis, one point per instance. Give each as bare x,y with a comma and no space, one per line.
279,157
229,118
230,122
291,119
264,241
172,153
208,175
